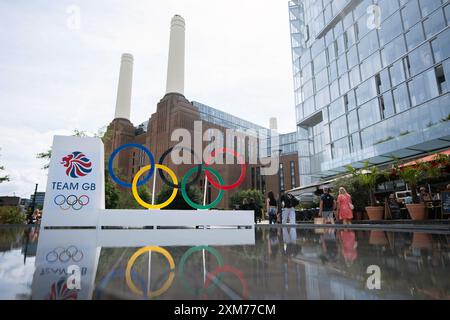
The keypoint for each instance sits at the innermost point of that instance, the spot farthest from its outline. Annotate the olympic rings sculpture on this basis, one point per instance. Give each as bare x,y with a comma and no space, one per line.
64,255
72,201
209,284
212,175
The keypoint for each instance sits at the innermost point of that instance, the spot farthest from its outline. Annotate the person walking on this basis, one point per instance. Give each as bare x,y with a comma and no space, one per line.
327,206
288,203
345,206
272,206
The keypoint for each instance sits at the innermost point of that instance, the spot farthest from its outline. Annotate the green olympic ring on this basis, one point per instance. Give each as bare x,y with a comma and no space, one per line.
189,201
182,262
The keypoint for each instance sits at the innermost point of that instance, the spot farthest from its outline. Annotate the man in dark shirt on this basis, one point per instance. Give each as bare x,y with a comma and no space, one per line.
327,206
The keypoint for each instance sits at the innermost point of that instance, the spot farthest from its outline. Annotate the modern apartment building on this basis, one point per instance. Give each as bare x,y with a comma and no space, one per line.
371,81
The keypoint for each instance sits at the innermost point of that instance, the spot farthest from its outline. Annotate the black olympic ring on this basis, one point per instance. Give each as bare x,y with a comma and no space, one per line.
177,186
64,255
72,201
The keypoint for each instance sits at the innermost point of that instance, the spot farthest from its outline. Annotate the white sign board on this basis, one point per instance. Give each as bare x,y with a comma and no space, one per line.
75,186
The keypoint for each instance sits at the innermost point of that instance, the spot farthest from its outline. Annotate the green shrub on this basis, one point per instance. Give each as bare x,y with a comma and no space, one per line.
11,215
237,197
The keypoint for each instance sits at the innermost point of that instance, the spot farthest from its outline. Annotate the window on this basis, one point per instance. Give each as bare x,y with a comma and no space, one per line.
350,35
429,6
411,14
352,57
401,98
434,23
355,142
368,45
387,105
343,83
369,113
332,70
397,73
342,64
340,148
393,50
390,28
293,184
355,77
352,119
423,87
281,176
366,91
336,109
441,46
420,59
338,128
321,79
415,36
322,98
370,66
441,80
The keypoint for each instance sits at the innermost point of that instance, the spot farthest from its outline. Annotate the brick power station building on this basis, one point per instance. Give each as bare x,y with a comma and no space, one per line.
174,111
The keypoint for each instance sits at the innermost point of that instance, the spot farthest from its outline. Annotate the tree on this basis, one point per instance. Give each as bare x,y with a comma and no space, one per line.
360,194
237,197
193,193
46,155
3,178
367,177
11,215
127,201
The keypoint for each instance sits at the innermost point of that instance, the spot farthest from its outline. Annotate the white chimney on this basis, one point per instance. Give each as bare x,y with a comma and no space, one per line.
273,124
175,68
123,102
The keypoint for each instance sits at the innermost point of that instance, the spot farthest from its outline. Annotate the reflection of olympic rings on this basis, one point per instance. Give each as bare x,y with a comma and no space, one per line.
120,273
148,205
131,145
163,177
240,161
166,285
72,201
186,197
229,269
185,283
64,255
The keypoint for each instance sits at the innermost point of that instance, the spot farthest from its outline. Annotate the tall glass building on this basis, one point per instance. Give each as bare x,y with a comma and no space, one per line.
370,80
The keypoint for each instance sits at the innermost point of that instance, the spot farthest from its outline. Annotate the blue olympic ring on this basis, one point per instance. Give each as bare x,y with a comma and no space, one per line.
120,273
131,145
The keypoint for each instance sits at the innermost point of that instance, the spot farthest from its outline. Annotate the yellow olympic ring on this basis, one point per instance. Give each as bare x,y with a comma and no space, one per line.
148,205
166,285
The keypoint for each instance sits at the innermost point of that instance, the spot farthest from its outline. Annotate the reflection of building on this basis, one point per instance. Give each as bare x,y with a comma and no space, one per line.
174,111
369,93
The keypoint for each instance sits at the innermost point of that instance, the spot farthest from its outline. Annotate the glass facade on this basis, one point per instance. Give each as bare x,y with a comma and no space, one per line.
287,142
369,81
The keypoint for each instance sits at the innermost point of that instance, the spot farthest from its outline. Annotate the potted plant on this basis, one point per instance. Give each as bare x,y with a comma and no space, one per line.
367,177
412,175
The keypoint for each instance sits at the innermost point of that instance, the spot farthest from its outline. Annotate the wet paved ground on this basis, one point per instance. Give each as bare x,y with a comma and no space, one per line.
266,263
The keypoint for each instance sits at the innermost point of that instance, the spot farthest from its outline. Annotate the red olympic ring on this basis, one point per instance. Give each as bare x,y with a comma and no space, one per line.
227,268
241,161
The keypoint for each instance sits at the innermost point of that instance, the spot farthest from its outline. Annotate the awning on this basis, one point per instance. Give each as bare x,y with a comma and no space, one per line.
429,158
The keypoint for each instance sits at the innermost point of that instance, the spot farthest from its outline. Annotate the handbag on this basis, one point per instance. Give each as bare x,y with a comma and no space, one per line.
352,206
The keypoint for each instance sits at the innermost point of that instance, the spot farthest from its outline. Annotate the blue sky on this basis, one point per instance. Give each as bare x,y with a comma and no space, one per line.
57,76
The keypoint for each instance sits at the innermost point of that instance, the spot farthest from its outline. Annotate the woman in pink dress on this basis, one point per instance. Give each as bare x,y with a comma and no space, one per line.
344,202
